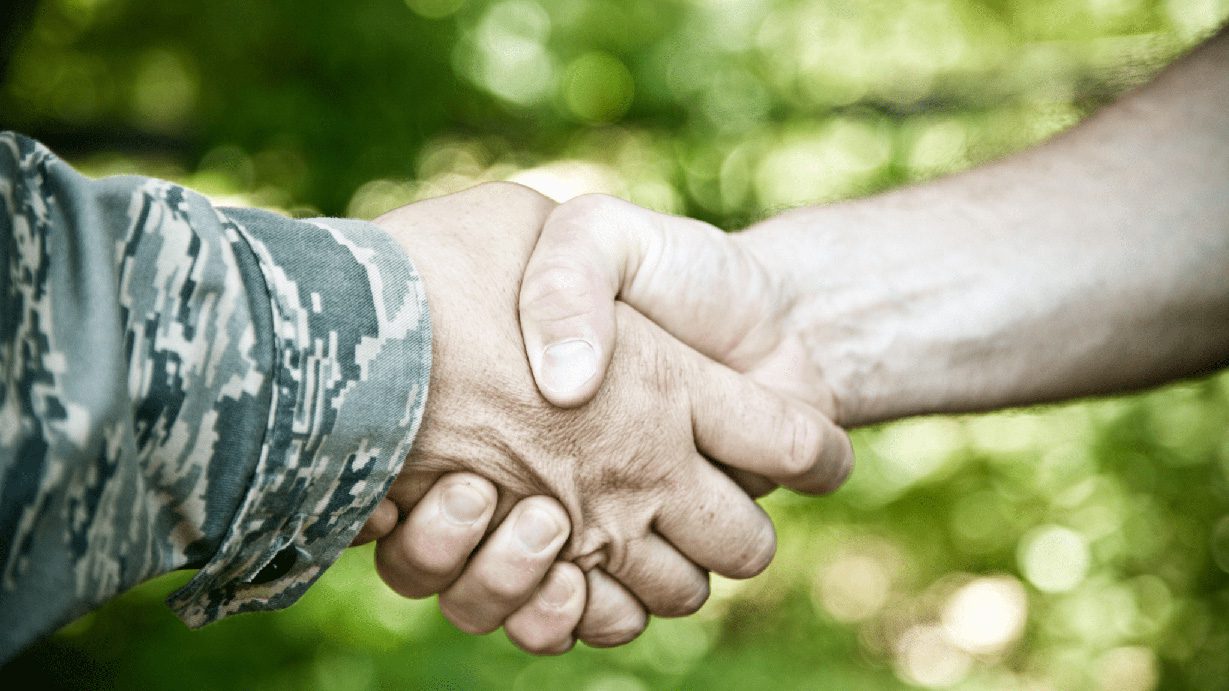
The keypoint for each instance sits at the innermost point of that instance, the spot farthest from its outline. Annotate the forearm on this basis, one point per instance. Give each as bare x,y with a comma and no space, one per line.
1098,262
186,386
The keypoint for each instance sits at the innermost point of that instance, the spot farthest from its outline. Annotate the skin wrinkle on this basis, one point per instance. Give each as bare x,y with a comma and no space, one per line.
1133,273
618,465
764,334
492,447
641,252
1083,266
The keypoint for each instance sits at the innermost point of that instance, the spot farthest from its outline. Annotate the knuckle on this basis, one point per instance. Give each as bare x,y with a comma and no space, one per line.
502,591
461,618
433,567
686,604
805,446
557,279
588,206
513,191
409,566
536,640
425,560
758,555
410,590
513,199
623,630
697,600
590,549
400,582
504,587
560,648
615,557
843,468
594,221
557,290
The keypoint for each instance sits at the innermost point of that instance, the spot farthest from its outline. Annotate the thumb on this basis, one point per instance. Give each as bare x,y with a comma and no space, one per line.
681,273
750,429
577,270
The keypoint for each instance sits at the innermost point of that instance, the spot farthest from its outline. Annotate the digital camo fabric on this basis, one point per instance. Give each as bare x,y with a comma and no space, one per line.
188,386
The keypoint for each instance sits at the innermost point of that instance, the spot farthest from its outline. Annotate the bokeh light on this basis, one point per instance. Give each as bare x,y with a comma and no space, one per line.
1054,559
1078,546
987,615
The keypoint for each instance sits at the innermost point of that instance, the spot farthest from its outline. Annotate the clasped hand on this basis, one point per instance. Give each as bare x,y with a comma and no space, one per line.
575,520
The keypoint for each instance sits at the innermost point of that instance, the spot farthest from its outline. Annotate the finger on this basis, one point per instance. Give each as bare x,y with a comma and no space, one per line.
612,615
685,275
380,523
710,520
666,582
743,425
755,486
425,553
504,574
544,624
503,506
567,300
410,487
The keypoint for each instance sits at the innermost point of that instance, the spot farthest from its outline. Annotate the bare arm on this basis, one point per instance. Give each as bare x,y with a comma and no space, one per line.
1095,263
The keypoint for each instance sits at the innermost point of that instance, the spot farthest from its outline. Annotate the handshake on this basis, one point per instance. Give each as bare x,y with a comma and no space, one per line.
611,387
565,487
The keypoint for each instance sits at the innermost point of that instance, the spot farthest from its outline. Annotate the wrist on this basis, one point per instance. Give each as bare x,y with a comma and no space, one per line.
816,357
879,304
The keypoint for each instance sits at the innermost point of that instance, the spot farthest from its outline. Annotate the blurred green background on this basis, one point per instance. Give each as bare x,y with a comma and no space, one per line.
1083,546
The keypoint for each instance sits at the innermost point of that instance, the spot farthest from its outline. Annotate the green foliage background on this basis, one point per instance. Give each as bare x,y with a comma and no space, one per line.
1068,547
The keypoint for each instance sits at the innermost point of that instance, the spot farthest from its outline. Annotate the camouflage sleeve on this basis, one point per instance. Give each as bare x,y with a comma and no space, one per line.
188,386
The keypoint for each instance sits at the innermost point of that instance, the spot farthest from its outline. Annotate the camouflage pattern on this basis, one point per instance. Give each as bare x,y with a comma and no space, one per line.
189,387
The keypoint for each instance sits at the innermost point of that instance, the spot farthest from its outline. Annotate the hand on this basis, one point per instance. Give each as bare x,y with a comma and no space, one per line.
432,550
645,507
699,284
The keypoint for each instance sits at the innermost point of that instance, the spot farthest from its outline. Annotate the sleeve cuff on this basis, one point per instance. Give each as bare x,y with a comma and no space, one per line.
352,345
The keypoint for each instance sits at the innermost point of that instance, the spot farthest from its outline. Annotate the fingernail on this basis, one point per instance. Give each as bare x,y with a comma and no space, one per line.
567,365
464,504
536,529
557,591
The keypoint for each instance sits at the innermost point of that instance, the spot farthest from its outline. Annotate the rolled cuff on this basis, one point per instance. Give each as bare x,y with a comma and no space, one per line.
352,346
